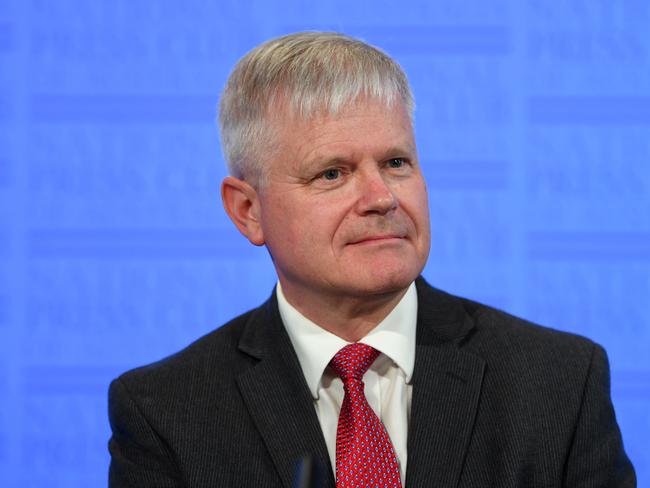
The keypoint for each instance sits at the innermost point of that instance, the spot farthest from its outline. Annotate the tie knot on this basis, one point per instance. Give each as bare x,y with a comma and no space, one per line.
353,361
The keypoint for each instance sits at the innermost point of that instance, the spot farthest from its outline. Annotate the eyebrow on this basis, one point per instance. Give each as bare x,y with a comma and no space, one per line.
406,149
328,161
324,162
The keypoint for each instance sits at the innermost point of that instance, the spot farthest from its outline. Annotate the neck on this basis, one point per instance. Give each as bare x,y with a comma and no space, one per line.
350,318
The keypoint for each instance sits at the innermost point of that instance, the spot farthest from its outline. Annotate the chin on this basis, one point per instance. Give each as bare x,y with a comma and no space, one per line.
386,279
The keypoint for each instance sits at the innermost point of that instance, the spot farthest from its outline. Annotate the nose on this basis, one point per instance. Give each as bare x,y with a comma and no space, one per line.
375,194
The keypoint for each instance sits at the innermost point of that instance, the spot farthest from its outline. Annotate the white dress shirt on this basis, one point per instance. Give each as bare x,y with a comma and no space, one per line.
387,381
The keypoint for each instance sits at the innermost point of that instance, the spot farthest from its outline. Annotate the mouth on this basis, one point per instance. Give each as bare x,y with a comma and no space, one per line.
377,239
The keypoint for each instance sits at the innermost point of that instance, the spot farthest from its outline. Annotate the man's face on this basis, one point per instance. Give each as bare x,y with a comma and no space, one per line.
344,211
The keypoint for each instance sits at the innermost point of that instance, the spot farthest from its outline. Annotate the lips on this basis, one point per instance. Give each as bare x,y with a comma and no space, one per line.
376,238
376,231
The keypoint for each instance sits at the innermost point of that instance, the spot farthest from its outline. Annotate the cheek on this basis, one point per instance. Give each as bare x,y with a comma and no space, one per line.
295,231
327,218
306,225
419,200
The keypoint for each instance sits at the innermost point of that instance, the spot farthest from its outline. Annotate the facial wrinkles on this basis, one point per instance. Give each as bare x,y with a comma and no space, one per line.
323,144
323,139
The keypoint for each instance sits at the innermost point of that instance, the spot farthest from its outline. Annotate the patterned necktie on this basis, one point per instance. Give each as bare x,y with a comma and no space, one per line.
364,454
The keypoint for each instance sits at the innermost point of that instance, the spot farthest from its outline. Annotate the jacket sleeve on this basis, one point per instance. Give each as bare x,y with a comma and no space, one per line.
597,458
139,456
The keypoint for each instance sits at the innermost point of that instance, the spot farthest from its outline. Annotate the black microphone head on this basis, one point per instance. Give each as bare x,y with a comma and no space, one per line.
310,473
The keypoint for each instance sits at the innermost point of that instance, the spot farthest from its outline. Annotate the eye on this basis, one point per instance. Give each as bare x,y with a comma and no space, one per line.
331,174
396,163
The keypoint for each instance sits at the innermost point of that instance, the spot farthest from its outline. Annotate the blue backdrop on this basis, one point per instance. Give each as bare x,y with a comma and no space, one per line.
533,124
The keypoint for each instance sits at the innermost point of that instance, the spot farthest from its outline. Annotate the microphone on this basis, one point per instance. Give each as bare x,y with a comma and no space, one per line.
310,473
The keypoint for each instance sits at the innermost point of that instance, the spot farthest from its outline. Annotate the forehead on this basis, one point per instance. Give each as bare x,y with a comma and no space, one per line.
364,126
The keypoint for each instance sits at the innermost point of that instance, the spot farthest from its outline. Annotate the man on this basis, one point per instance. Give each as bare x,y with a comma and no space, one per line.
355,360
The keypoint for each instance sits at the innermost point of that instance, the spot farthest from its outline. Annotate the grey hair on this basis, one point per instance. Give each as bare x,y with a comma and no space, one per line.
312,73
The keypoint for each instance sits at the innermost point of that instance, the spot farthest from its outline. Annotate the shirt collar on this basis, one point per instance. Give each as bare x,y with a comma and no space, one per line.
315,347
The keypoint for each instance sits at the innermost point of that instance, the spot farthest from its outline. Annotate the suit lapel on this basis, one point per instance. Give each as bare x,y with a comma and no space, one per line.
446,388
277,396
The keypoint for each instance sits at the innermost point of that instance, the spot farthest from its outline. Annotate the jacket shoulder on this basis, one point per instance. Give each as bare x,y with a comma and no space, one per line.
531,355
486,329
215,356
499,327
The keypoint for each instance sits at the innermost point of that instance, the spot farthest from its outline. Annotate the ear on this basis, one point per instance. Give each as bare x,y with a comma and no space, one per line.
242,204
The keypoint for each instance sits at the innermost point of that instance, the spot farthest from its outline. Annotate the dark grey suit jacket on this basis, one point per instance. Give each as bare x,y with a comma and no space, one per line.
497,402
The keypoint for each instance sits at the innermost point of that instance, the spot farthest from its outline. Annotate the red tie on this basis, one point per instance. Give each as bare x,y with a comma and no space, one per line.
364,454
